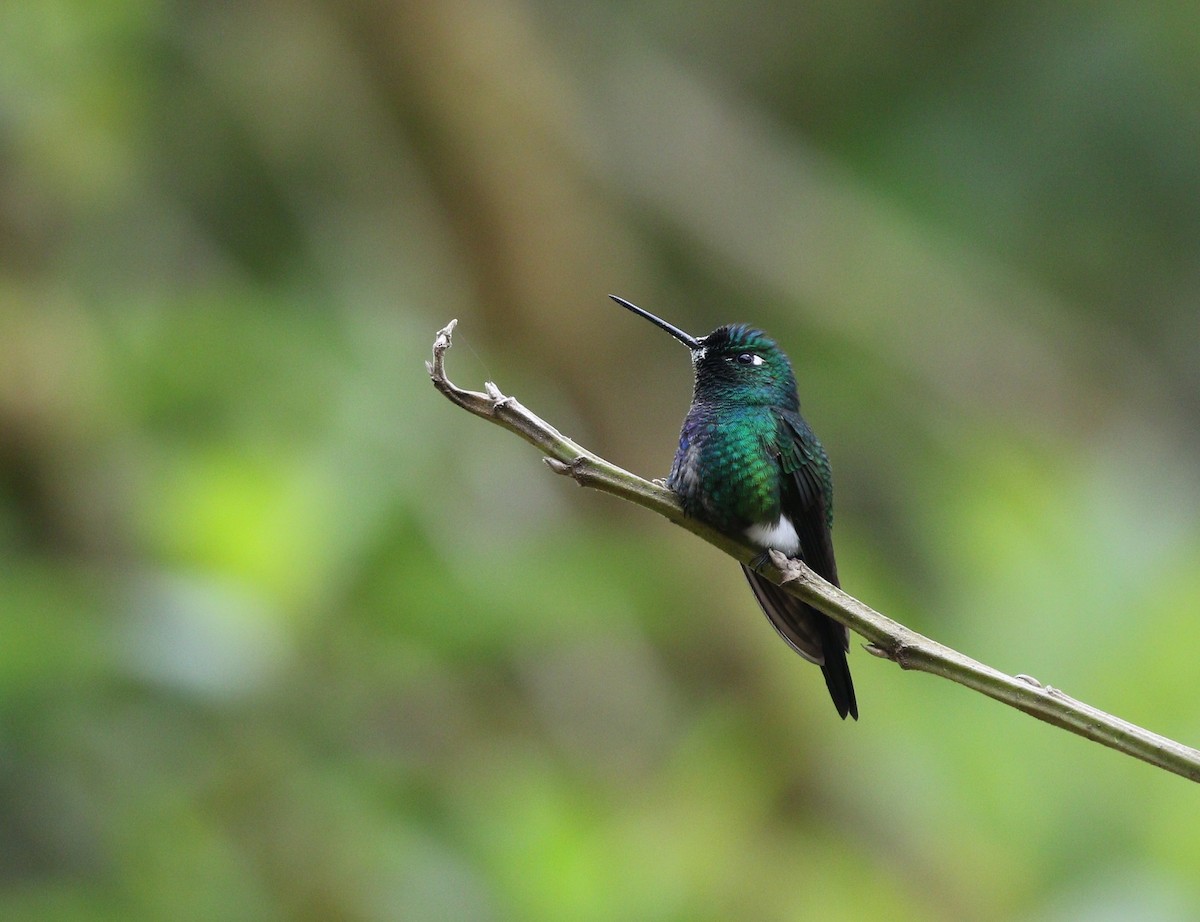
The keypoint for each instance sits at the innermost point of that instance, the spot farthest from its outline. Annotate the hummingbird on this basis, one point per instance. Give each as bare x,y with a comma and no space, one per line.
750,466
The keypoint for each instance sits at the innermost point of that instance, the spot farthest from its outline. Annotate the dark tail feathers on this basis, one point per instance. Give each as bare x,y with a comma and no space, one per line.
819,639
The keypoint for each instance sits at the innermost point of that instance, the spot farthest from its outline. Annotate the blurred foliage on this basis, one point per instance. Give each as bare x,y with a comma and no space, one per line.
286,636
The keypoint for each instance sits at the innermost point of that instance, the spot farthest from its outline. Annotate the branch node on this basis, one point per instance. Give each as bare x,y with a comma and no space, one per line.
576,468
901,655
437,368
1029,680
444,336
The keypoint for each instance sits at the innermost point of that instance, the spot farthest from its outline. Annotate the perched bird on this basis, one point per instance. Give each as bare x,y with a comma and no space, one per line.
749,465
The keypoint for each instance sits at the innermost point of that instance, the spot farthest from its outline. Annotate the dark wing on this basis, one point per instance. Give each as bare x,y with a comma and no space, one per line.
814,636
807,502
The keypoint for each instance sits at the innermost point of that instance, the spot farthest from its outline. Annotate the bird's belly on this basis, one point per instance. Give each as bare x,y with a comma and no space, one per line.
780,535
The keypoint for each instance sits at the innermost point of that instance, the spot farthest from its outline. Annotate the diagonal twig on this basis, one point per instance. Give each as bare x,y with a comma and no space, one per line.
886,638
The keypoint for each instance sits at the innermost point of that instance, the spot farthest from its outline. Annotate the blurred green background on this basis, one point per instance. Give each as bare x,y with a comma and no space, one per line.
284,635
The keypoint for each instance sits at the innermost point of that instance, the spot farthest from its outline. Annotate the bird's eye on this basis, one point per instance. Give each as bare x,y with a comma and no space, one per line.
749,358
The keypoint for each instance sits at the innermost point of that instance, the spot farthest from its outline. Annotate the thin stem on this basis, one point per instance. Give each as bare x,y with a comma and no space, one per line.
886,638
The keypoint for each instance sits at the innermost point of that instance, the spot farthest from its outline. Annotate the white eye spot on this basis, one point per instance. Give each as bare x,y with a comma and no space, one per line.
756,360
747,358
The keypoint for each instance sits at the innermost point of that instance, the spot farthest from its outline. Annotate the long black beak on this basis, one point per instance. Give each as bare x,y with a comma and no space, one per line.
690,341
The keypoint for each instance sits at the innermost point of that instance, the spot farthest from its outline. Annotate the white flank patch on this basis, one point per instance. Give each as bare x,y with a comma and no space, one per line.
780,535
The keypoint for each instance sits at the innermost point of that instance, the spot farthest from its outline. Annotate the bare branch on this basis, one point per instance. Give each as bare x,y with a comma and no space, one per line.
886,638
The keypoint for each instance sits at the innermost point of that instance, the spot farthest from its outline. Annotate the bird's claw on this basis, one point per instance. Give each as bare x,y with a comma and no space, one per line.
758,562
